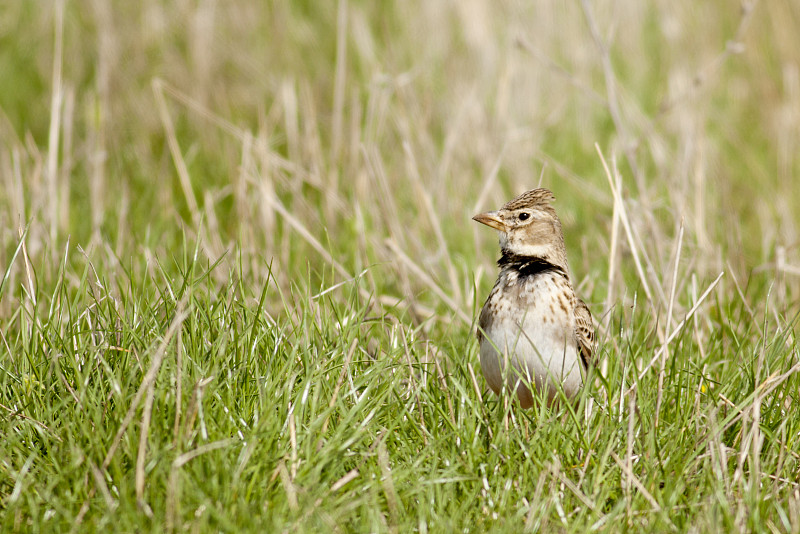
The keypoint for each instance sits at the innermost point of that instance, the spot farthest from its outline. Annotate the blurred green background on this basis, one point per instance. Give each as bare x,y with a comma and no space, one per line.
335,110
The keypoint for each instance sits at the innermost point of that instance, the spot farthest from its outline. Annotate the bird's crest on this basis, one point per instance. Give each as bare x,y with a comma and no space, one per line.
535,197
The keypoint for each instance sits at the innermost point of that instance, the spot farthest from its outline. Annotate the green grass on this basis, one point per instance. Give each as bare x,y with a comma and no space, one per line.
240,279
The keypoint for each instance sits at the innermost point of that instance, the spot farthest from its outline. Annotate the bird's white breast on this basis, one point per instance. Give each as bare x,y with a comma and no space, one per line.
533,328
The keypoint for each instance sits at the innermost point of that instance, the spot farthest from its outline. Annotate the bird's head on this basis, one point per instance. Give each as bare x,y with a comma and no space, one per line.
528,226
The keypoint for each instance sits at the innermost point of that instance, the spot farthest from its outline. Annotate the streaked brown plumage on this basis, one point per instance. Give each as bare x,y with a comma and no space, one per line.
532,318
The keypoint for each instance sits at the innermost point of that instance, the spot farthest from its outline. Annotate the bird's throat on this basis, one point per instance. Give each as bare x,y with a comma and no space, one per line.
529,265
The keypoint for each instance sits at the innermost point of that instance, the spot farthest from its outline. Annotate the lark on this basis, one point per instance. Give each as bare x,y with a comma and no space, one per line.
533,329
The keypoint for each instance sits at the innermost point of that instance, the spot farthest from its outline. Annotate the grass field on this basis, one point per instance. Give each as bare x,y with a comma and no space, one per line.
240,279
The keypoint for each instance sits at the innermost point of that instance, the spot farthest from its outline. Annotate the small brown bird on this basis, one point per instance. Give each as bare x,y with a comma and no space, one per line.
532,318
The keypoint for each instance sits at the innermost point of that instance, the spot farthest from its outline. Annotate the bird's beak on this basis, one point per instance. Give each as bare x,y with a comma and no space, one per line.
491,218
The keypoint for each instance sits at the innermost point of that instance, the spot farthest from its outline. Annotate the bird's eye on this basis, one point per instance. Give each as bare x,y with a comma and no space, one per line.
524,216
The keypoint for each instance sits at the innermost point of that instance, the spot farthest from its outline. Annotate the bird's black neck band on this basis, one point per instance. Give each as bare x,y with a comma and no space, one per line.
529,265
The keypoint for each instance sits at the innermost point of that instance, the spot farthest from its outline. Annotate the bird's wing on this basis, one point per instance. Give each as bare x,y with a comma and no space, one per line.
584,332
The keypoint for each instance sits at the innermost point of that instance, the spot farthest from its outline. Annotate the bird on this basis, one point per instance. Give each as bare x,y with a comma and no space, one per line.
532,318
